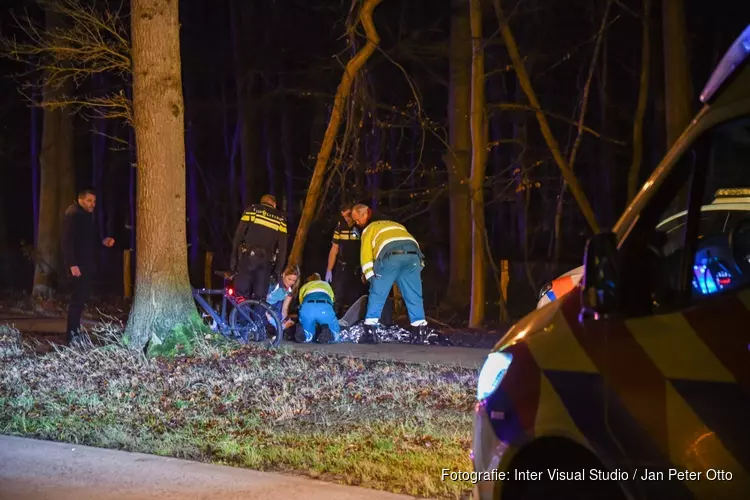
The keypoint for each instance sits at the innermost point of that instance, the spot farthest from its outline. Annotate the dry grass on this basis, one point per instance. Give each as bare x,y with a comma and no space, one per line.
375,424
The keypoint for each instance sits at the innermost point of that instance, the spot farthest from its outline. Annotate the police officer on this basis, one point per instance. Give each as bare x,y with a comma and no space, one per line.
343,272
261,233
316,308
389,253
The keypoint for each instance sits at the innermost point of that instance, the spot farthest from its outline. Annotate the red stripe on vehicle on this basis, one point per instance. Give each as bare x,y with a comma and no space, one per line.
723,324
626,368
522,383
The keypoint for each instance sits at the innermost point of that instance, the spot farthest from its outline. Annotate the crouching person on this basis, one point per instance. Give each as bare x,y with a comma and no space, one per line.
316,308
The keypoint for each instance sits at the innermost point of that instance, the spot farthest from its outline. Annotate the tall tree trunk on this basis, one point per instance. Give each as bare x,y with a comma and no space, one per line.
677,82
287,152
458,159
339,101
549,138
56,183
640,110
478,164
34,155
163,302
193,204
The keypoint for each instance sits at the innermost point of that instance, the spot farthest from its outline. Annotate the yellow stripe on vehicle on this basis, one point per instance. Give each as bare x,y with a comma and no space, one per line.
677,361
693,447
557,349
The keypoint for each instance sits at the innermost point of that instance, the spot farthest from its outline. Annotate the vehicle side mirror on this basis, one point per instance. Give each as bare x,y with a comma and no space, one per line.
600,293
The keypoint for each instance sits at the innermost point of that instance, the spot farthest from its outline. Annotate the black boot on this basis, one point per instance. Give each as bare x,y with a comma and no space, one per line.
419,334
371,335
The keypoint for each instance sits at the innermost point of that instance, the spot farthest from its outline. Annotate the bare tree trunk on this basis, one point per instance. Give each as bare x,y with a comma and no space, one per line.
163,303
458,158
478,164
34,155
640,110
579,135
352,67
677,83
56,184
554,148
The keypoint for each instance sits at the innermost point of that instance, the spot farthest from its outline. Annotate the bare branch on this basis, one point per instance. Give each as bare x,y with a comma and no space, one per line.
91,40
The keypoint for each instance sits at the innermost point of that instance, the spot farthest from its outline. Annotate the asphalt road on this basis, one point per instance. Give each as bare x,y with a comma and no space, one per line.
466,357
42,470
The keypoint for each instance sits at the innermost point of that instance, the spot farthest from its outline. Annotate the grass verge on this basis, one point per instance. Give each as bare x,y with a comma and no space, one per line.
375,424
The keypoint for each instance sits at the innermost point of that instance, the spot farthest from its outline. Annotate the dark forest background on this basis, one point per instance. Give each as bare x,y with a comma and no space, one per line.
259,79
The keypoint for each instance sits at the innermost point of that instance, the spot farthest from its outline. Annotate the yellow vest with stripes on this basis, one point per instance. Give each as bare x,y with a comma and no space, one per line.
313,287
375,237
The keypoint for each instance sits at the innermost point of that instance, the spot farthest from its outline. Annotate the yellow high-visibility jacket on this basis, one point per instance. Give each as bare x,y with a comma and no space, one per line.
313,287
375,237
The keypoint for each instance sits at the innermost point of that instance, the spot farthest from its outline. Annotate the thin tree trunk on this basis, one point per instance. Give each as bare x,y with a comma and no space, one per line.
458,159
34,155
579,135
640,110
193,204
56,184
321,163
677,83
287,152
554,148
163,303
478,163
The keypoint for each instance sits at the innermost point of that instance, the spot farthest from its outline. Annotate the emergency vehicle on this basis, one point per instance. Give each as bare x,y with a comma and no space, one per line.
636,384
721,214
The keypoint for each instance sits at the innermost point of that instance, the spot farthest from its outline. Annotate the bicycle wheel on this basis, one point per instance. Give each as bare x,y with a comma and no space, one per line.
256,321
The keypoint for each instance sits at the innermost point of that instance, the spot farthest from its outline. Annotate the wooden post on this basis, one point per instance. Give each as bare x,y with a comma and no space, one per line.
504,279
207,270
126,277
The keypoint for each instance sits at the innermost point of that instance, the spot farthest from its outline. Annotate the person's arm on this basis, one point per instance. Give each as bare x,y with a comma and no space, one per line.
365,254
239,234
332,254
285,307
281,243
69,241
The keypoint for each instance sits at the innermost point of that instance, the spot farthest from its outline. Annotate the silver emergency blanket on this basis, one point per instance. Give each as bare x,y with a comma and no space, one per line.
386,334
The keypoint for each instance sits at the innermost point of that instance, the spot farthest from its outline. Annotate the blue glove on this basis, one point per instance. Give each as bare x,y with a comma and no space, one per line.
329,276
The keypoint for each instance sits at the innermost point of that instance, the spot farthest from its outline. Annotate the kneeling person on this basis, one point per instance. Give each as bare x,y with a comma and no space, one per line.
316,308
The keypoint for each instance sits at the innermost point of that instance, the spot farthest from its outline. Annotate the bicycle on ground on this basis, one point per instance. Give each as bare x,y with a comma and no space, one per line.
249,320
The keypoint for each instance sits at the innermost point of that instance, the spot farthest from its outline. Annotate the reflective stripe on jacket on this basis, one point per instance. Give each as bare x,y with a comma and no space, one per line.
315,287
375,237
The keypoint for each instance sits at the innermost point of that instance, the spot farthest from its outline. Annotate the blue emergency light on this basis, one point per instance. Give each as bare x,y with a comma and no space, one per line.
737,54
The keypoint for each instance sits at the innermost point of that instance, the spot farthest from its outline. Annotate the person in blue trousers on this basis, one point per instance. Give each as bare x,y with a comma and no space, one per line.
316,308
388,254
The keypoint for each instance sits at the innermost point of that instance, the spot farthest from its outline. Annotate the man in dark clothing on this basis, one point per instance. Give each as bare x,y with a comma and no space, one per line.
343,271
80,242
260,234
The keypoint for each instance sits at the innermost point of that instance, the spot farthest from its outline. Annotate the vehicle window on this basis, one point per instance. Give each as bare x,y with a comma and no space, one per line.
653,254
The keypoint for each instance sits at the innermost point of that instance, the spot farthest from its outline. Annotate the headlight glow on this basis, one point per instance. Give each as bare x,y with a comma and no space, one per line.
494,369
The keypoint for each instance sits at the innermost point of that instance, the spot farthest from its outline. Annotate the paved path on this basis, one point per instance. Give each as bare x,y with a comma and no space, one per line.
466,357
42,470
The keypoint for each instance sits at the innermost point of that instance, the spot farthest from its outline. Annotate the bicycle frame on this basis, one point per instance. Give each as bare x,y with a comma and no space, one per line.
221,321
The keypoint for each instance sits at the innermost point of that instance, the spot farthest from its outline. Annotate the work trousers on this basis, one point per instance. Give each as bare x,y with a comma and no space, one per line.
399,262
317,309
253,274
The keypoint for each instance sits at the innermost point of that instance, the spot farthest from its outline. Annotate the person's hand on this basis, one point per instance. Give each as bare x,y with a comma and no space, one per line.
329,276
288,324
108,242
75,271
364,280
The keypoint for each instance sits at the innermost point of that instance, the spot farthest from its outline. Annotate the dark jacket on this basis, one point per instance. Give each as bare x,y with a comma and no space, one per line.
261,227
347,238
80,238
